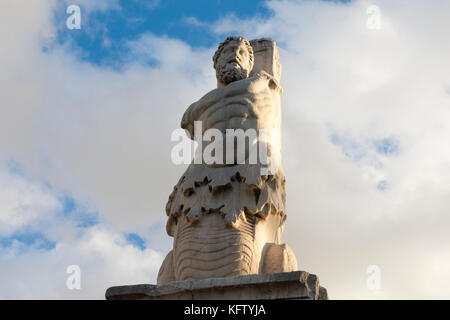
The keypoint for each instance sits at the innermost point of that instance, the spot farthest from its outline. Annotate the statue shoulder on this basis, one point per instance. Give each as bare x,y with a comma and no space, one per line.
272,82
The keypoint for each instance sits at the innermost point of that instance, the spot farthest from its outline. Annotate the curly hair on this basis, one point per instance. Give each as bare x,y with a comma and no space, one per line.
229,39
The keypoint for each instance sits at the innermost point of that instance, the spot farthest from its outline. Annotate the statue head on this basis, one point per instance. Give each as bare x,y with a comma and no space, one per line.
233,60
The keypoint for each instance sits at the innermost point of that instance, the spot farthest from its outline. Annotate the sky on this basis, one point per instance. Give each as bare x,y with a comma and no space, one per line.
86,118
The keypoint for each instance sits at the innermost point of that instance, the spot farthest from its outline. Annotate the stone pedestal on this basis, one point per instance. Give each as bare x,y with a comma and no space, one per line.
286,285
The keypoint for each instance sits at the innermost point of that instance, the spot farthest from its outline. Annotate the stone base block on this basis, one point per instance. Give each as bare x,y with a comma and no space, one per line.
286,285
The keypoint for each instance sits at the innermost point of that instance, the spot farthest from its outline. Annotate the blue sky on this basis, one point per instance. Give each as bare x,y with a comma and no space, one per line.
27,239
172,18
162,18
85,168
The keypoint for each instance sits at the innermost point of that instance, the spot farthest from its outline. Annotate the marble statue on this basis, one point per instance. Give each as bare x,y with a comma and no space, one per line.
227,217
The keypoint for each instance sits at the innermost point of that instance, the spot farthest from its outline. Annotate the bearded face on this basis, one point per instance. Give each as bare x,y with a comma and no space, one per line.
233,63
227,74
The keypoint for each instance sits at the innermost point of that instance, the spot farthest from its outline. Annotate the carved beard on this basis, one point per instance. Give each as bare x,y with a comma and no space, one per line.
227,75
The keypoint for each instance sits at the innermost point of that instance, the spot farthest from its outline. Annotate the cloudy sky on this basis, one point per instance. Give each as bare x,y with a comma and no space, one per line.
86,117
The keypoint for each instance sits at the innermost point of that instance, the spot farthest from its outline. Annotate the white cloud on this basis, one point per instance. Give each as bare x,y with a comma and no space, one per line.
38,241
105,136
104,257
23,202
194,22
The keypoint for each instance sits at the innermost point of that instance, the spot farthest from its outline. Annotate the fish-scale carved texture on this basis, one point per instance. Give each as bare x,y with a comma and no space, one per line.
206,250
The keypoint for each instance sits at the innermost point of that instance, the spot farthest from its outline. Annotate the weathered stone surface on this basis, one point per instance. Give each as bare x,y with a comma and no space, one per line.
287,285
226,218
266,57
323,294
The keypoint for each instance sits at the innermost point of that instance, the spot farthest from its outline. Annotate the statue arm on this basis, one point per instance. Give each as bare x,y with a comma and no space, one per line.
195,110
187,122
